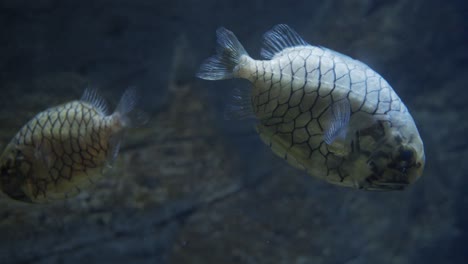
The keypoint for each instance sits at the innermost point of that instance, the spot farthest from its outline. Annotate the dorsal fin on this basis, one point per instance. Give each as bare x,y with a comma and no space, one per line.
92,97
279,38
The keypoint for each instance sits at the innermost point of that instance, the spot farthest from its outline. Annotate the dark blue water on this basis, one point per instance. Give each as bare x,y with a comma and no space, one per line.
192,187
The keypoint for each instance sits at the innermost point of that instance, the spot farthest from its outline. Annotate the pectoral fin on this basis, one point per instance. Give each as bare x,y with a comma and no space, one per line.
339,113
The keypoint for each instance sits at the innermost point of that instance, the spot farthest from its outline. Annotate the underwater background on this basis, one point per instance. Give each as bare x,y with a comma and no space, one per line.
192,187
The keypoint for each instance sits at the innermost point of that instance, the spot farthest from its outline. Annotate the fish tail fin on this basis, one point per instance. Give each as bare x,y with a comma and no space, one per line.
127,112
228,54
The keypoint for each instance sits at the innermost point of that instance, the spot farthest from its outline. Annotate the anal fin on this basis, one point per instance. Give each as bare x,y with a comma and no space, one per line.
239,106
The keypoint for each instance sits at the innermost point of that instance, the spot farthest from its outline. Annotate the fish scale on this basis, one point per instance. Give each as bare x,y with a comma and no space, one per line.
63,149
314,105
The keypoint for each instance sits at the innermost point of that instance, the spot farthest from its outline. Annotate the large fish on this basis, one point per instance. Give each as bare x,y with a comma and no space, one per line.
323,111
64,149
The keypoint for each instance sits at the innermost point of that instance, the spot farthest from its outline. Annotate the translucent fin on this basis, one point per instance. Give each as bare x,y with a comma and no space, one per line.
114,148
340,113
92,96
228,53
278,39
239,106
130,117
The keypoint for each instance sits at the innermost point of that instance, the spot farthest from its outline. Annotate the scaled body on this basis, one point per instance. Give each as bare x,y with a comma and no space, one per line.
63,149
324,112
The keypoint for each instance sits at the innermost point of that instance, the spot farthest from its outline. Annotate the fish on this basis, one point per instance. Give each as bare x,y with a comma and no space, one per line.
322,111
65,149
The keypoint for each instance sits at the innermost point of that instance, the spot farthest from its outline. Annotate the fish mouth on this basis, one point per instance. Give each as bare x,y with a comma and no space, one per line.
393,170
386,180
386,186
393,178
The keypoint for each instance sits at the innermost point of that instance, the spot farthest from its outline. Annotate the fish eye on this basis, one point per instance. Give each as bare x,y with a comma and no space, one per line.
406,155
404,159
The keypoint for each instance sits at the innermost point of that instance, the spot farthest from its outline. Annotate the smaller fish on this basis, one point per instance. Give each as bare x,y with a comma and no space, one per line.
64,149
